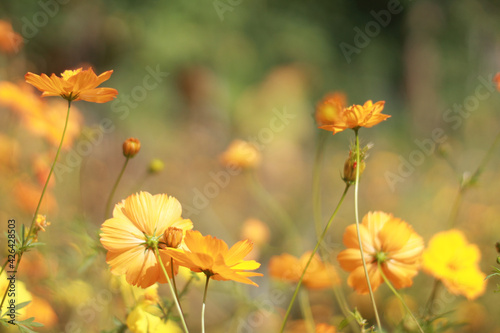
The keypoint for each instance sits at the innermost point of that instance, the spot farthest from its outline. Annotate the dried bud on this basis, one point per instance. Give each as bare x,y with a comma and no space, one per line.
156,166
497,246
131,147
350,164
173,237
40,225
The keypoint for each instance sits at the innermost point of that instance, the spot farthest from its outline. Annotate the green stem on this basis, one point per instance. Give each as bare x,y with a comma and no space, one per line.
452,220
306,311
203,306
471,181
28,236
432,297
320,148
356,187
267,199
50,174
287,314
107,212
183,291
174,293
395,292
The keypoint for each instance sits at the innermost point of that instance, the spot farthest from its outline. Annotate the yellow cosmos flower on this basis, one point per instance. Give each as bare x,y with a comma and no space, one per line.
356,116
387,241
496,79
450,258
241,154
137,226
289,268
329,110
212,256
141,320
74,85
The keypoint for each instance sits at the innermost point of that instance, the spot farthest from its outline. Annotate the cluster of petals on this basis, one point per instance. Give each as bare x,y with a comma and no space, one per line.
353,117
142,224
389,244
137,219
212,256
451,259
319,275
74,85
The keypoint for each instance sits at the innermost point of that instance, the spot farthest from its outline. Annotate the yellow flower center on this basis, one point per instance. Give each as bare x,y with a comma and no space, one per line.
70,73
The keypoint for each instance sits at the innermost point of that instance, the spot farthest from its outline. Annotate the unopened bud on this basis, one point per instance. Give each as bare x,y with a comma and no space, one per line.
350,170
131,147
156,166
351,164
173,237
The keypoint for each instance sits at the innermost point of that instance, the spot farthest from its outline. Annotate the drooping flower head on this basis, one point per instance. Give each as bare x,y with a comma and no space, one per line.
137,226
212,256
450,258
329,110
387,242
356,116
74,85
319,275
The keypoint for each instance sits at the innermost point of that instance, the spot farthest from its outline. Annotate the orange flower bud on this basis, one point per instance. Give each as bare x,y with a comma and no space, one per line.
131,147
173,237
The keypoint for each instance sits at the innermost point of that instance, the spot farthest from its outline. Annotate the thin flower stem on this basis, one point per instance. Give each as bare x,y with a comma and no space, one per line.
316,188
183,291
306,311
50,174
274,206
174,293
395,292
29,234
107,212
471,181
203,306
432,297
356,186
452,220
287,314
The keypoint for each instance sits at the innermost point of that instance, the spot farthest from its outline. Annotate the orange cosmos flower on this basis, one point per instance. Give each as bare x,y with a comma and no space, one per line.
241,154
496,79
212,256
74,85
330,108
289,268
138,224
300,326
387,241
454,261
40,118
10,41
355,116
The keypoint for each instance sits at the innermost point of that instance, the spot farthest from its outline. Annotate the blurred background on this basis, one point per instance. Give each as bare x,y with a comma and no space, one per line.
194,76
